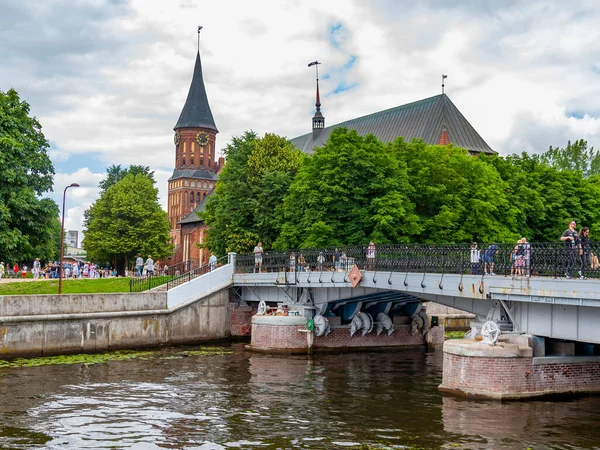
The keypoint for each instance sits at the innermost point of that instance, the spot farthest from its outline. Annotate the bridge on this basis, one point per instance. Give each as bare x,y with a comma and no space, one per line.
532,296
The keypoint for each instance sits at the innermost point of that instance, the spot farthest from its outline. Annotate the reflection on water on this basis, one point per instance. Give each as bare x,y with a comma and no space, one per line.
244,400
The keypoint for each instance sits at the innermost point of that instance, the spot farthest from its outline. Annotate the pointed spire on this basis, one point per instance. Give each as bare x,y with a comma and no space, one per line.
196,112
318,121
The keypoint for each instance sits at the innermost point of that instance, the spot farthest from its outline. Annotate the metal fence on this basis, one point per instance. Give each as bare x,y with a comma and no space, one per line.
161,277
539,259
184,278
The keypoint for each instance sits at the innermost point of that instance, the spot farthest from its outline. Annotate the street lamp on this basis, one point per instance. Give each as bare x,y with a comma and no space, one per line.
62,239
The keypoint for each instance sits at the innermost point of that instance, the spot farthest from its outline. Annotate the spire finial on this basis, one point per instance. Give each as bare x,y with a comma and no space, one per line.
318,119
199,28
443,78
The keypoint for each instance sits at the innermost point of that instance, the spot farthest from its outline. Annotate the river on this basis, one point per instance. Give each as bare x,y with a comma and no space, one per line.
246,400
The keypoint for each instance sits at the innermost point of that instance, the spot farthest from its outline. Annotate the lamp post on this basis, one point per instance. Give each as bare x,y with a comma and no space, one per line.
62,239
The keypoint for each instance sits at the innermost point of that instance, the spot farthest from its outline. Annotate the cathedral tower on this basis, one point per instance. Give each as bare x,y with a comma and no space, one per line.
196,168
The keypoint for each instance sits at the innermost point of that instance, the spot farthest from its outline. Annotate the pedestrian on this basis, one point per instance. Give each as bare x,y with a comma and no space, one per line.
570,238
24,271
344,262
518,258
16,270
488,259
139,263
475,258
320,261
91,270
371,253
584,251
76,273
526,256
36,268
150,266
258,257
166,270
292,262
212,262
1,270
301,262
336,259
86,270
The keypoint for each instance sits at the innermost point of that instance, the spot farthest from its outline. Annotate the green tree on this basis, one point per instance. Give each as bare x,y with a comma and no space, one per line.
27,221
116,173
249,193
126,220
574,157
348,192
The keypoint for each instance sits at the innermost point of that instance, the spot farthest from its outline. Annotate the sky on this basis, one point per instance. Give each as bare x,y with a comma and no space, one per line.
107,79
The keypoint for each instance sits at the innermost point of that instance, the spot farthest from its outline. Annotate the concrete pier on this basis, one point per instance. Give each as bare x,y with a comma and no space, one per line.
509,370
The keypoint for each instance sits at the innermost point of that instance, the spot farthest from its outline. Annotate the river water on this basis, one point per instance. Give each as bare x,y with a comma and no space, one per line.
246,400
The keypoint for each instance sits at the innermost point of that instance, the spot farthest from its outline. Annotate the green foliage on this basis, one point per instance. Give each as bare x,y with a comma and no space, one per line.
574,157
115,174
126,220
80,286
349,191
249,193
27,223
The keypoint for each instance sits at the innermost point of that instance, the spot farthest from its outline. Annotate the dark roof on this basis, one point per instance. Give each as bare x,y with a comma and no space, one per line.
193,173
196,112
424,119
193,216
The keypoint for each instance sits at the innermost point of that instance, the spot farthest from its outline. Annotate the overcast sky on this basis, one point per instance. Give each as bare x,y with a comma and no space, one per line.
107,79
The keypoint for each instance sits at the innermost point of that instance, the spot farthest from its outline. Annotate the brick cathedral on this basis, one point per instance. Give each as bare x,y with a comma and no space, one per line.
196,172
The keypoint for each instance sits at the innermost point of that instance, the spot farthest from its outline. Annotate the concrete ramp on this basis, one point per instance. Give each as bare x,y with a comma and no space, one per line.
199,287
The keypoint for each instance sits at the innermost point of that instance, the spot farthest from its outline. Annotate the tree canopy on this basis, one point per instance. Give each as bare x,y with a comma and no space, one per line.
116,173
126,220
250,192
27,222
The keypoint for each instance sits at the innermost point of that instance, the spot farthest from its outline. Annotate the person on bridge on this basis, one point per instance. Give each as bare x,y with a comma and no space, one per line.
526,256
488,259
258,257
570,238
212,262
371,254
475,258
584,250
518,257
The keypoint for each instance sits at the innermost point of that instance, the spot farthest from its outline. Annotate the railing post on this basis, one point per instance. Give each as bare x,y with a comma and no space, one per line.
231,260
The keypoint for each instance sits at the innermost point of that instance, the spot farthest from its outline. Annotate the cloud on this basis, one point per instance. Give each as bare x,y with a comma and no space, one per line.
107,79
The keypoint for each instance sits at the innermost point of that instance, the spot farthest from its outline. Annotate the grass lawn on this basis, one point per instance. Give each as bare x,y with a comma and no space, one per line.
69,286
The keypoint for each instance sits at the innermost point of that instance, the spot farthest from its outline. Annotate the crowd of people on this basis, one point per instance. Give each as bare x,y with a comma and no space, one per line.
51,270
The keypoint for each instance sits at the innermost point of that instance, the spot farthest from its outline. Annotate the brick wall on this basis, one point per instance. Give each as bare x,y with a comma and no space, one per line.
516,377
241,319
288,338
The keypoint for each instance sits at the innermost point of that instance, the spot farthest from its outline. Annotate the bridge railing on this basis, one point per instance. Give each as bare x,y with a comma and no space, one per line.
181,279
538,259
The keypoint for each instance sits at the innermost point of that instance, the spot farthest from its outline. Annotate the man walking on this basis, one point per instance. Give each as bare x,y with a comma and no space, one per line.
36,268
212,262
569,237
139,264
150,266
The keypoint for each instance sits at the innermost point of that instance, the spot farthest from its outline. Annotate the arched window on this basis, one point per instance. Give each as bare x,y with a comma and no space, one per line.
201,162
183,162
192,162
204,196
205,185
191,197
197,197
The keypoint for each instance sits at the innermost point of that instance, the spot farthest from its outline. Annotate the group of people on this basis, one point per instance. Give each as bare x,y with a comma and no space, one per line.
578,253
148,267
52,270
338,259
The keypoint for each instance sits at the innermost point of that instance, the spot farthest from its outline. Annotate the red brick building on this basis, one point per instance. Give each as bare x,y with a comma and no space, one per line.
196,172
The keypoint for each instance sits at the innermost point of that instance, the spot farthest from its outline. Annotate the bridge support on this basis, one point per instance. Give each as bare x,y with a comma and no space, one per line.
510,370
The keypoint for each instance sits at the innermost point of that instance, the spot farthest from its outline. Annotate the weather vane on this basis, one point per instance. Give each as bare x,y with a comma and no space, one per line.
316,64
199,28
443,78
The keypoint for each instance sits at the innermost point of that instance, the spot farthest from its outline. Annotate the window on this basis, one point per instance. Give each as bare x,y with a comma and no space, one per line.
204,195
201,162
192,162
205,185
198,197
191,197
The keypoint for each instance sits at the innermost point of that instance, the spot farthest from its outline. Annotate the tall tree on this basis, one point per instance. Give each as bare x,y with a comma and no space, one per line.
350,191
249,192
126,220
26,172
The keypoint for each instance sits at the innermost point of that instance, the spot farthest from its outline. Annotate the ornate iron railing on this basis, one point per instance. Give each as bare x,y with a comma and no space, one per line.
539,259
176,281
161,277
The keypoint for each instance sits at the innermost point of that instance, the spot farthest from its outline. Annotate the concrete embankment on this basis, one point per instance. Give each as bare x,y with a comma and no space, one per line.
40,325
